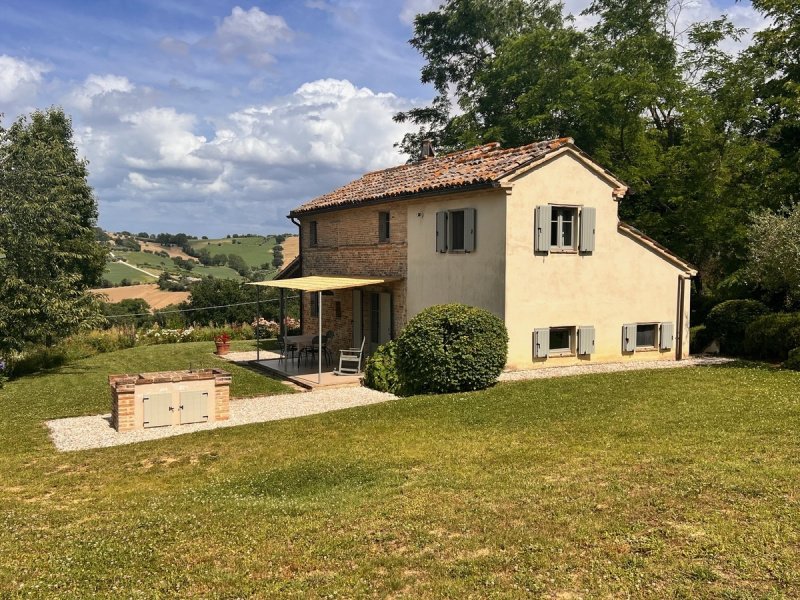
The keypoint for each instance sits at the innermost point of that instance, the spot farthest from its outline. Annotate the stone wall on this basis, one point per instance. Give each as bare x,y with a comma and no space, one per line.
348,244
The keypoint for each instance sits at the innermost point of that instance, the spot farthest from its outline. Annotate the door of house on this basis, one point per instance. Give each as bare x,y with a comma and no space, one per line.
380,320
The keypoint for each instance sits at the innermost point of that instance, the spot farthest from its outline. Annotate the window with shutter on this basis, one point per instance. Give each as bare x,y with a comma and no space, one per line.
587,220
383,226
667,335
542,221
469,229
441,231
541,343
629,337
585,340
456,224
312,233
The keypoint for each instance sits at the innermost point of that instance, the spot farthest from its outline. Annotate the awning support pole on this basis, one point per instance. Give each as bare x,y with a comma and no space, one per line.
258,322
319,340
283,311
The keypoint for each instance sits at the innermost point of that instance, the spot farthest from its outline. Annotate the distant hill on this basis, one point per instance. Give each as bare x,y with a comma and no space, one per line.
139,259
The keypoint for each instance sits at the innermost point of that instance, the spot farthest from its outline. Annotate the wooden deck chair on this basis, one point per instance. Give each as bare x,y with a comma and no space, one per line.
350,357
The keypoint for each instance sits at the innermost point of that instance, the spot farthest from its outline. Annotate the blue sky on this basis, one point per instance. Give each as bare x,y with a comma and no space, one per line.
214,117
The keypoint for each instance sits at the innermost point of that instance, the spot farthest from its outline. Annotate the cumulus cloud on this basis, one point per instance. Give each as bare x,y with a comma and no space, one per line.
250,33
97,86
19,79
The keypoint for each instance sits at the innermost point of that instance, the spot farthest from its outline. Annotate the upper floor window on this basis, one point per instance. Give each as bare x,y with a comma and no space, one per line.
455,230
564,228
312,233
383,226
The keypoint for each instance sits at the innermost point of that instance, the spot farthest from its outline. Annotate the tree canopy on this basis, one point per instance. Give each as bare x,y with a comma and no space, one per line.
48,213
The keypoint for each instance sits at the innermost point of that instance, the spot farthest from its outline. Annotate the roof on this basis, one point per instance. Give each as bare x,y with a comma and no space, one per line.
290,270
480,166
322,283
657,248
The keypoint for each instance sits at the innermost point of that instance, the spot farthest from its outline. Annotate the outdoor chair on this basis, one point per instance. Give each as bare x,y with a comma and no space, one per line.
350,357
285,348
326,341
310,350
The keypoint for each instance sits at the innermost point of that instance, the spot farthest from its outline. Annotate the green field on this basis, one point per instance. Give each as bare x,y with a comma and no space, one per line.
115,272
653,484
254,250
156,264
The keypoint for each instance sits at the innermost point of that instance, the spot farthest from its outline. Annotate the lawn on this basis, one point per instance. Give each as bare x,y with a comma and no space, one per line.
254,250
115,272
651,484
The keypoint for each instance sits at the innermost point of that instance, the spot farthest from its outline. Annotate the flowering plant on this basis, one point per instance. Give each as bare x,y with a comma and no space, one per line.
266,328
291,323
222,338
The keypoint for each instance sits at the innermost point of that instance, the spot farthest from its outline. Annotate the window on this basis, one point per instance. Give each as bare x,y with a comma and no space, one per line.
374,318
338,309
562,228
455,230
561,341
312,233
314,303
646,335
383,226
456,219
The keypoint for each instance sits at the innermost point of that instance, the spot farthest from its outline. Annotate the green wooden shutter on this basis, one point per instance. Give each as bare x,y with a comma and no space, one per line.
588,217
541,343
441,231
629,337
667,335
469,230
586,340
541,233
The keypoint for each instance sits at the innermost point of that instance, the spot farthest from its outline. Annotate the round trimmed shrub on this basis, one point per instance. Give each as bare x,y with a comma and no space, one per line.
793,362
380,372
771,337
699,338
728,320
451,348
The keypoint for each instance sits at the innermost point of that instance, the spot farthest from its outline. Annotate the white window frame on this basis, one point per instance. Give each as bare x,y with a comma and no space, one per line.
570,351
656,333
555,244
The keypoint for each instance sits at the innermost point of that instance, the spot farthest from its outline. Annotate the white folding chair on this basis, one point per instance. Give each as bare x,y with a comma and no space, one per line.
350,356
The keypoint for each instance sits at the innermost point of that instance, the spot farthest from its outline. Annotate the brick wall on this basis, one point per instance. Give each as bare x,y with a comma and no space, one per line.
347,244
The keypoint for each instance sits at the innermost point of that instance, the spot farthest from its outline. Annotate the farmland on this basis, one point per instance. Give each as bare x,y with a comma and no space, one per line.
255,251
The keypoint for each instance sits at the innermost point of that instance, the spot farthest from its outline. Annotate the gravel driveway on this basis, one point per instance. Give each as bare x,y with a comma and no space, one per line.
81,433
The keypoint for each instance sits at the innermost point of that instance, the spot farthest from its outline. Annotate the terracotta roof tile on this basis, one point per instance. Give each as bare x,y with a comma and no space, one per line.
483,164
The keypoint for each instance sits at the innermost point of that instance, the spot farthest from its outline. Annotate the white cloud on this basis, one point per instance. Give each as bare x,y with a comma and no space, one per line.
411,8
19,79
250,33
97,86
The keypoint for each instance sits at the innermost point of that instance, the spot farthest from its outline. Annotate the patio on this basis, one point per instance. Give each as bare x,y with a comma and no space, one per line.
307,374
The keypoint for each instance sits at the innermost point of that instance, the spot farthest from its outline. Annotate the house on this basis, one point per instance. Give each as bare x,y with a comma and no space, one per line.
530,233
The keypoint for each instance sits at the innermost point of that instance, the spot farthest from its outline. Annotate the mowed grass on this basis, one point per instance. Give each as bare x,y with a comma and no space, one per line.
115,272
254,250
652,484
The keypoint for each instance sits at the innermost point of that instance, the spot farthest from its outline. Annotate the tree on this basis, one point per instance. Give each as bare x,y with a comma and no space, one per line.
238,264
774,252
47,238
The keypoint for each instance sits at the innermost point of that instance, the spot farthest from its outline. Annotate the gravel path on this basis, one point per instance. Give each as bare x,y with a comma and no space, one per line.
81,433
249,355
634,365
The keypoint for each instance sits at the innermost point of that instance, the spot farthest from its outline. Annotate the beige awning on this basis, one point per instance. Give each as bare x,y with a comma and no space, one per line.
321,283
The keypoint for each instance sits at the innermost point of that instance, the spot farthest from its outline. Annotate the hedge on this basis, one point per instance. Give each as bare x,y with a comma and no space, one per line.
728,321
772,337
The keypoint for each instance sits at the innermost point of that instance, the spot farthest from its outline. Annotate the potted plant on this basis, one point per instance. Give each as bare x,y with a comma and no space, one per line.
223,343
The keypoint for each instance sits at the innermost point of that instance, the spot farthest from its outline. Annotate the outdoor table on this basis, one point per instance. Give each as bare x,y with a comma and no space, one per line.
301,341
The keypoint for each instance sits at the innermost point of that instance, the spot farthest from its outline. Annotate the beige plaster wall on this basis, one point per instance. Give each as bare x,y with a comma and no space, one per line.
476,278
621,282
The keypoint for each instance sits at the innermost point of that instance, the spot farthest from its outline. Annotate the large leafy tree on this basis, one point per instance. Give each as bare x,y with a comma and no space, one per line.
47,214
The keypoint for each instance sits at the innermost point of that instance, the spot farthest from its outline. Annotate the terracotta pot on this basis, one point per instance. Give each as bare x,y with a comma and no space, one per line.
222,347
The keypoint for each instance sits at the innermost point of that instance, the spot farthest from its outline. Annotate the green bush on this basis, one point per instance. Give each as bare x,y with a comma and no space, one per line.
699,338
728,320
771,337
450,348
380,372
792,362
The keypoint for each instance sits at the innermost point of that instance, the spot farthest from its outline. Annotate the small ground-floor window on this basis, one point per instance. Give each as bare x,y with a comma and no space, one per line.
646,335
562,341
